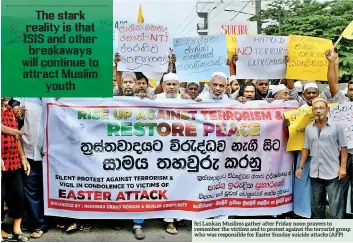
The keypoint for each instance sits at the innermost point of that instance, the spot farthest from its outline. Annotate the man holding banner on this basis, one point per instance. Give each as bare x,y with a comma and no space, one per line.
218,85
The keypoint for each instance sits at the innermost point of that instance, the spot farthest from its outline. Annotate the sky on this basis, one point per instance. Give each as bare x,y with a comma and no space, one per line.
175,14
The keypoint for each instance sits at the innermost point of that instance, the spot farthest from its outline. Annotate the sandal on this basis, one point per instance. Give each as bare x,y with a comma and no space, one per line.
72,227
20,237
85,227
171,229
37,234
5,236
138,233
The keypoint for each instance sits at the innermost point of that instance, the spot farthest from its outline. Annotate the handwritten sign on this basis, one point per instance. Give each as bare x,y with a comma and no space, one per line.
231,47
143,47
307,59
299,119
343,114
198,57
261,57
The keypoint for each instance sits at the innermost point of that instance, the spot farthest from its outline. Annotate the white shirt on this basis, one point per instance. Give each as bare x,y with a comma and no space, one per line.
162,97
208,96
33,139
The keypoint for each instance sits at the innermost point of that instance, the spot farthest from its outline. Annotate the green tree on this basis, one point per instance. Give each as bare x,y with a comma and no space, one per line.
311,18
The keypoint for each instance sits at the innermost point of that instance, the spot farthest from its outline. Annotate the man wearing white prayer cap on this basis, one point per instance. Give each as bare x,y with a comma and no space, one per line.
218,85
311,91
281,92
170,87
299,87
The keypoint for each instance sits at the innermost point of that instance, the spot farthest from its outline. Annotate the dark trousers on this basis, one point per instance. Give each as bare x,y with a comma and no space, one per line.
334,189
12,193
33,190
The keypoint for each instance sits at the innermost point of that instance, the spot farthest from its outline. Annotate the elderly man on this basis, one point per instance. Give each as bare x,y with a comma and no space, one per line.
171,87
192,89
217,88
280,92
327,146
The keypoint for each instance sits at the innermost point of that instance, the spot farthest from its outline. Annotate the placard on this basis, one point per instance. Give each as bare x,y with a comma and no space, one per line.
261,57
143,48
197,58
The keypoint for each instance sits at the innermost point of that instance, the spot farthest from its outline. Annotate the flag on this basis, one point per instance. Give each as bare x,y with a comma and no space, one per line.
140,19
348,32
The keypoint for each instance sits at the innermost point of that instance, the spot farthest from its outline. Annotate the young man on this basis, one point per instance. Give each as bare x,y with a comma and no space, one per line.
326,143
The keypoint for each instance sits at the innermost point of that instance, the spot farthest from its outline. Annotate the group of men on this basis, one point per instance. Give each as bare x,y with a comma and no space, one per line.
325,162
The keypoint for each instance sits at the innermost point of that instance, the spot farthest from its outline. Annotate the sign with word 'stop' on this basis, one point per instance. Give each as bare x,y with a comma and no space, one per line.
261,57
126,158
200,56
56,49
307,59
143,48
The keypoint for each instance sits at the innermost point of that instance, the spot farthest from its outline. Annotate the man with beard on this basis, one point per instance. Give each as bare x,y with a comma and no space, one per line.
192,89
128,83
280,92
171,87
326,144
217,88
143,83
248,92
262,88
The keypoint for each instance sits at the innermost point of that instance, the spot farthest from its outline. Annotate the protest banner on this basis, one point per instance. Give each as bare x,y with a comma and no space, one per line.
198,57
127,158
143,48
231,47
233,28
299,119
307,59
343,114
261,57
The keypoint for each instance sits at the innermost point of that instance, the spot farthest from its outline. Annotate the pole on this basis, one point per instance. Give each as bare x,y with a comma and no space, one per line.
258,16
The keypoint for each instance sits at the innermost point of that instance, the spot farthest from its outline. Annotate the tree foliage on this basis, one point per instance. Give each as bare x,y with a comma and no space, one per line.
311,18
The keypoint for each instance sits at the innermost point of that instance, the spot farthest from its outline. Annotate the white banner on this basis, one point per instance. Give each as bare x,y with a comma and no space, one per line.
343,114
126,158
261,57
143,47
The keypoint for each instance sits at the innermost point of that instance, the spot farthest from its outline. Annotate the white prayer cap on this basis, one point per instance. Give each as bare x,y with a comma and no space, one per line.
193,82
298,86
278,88
170,76
310,85
219,74
232,78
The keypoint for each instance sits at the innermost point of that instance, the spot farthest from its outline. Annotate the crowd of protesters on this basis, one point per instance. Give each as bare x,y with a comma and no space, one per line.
323,169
